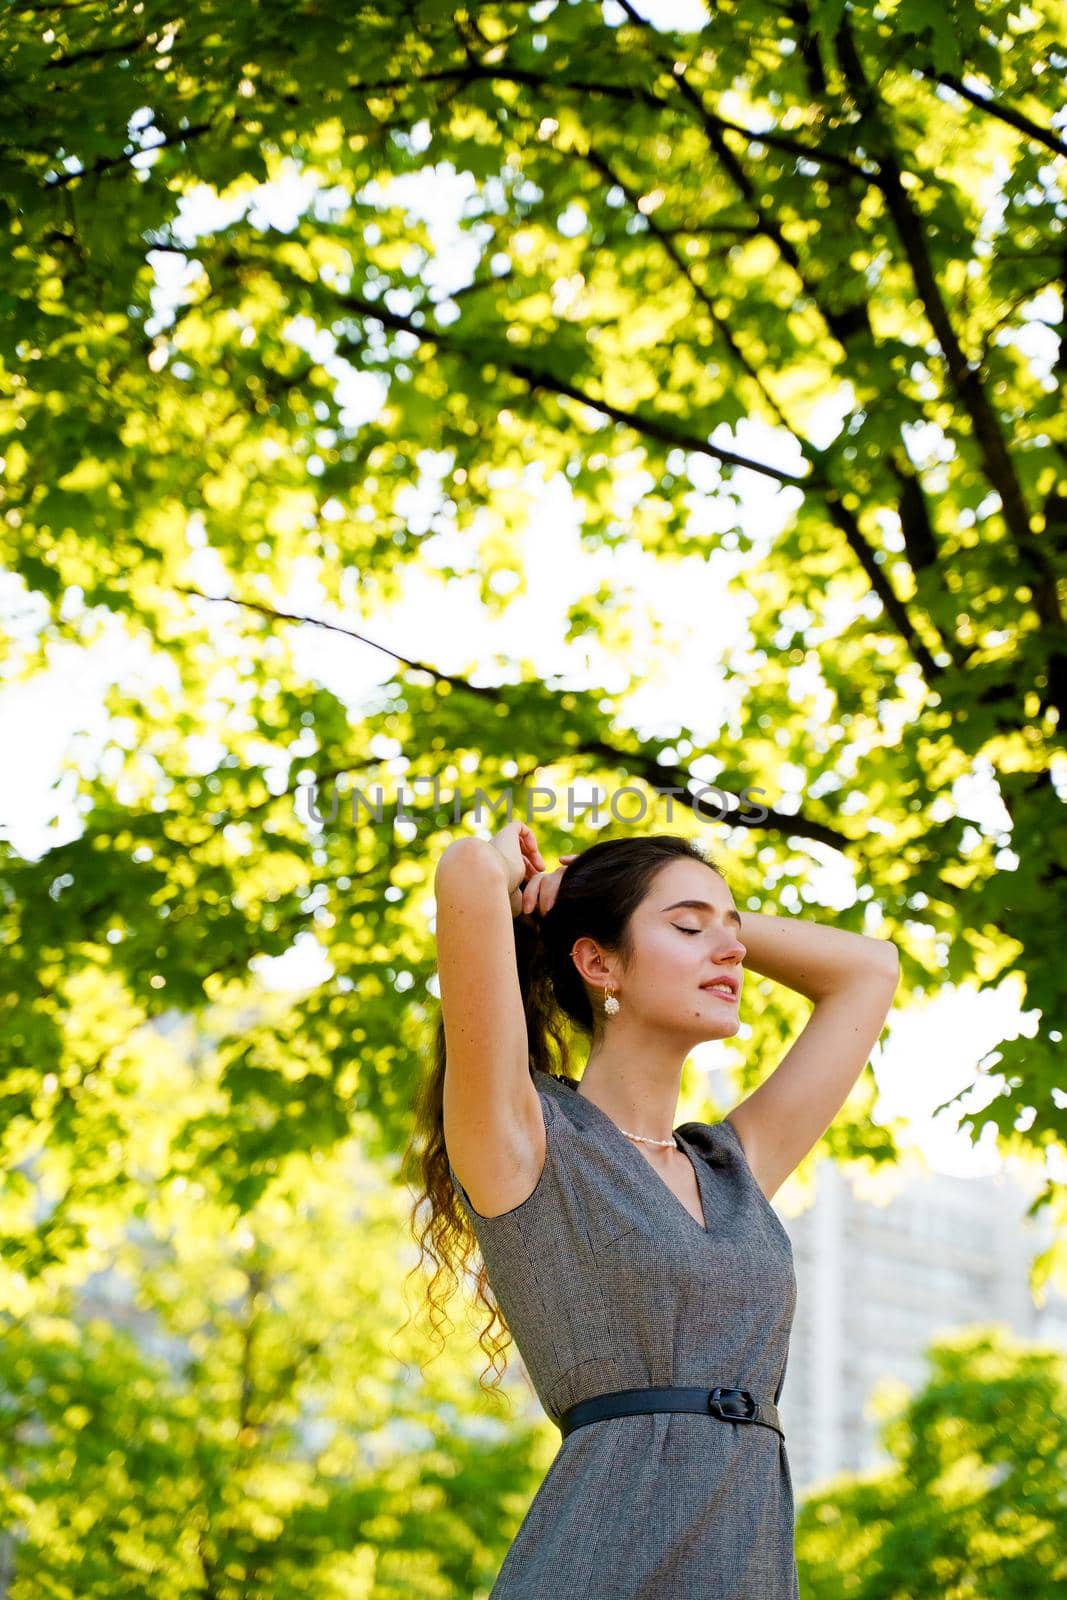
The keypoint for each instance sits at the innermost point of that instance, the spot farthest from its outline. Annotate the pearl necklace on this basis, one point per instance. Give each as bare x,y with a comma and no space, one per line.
667,1144
670,1144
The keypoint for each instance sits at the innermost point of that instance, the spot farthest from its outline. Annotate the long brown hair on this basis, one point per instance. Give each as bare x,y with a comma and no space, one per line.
597,896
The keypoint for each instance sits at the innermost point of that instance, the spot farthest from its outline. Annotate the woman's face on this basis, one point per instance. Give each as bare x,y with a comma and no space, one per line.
680,948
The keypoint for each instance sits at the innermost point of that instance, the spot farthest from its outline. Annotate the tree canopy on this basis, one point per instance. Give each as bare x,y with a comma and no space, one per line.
669,234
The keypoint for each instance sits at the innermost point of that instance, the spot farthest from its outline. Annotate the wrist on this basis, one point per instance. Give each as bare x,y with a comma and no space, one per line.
472,854
514,873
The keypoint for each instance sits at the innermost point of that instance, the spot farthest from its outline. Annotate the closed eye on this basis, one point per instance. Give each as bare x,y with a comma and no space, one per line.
678,925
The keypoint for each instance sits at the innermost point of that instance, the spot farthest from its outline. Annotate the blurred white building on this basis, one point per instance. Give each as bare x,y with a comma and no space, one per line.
876,1283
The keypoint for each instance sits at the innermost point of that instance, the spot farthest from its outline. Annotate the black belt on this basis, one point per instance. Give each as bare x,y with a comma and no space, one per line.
731,1405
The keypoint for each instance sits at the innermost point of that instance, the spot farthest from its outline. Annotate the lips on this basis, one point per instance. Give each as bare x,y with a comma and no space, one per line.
732,984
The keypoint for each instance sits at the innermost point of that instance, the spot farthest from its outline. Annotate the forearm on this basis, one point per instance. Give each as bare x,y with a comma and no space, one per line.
814,958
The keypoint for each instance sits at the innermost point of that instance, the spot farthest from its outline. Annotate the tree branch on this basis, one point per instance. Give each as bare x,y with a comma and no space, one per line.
966,380
894,607
106,163
502,73
1008,114
663,779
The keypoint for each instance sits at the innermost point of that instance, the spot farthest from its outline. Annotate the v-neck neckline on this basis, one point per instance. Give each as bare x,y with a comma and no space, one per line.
598,1113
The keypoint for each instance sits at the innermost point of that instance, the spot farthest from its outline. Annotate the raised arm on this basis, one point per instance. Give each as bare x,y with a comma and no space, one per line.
493,1123
851,980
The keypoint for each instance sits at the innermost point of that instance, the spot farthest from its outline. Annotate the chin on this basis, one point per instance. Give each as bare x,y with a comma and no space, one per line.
728,1029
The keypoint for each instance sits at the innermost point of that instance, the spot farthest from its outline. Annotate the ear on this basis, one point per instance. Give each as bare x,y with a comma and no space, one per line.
591,962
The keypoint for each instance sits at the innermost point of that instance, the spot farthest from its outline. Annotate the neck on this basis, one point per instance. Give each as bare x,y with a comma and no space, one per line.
637,1089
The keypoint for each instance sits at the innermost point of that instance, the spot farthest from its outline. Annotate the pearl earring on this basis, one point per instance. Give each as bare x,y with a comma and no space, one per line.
611,1005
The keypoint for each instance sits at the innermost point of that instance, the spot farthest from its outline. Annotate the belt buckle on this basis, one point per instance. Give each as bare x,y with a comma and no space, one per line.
719,1397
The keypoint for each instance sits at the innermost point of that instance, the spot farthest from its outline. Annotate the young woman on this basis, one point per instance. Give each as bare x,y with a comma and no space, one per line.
646,1279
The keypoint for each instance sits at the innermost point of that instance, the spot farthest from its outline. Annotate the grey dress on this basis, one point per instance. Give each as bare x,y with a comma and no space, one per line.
607,1282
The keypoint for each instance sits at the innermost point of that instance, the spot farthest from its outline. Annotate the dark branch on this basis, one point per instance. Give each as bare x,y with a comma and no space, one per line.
993,108
638,762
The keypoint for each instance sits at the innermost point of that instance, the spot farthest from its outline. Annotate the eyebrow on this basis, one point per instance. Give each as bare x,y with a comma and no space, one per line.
703,905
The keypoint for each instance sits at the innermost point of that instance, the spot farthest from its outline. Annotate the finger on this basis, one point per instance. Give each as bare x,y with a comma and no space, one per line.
529,846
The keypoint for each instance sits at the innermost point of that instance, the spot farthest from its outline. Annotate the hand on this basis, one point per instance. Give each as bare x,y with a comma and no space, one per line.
516,843
538,896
